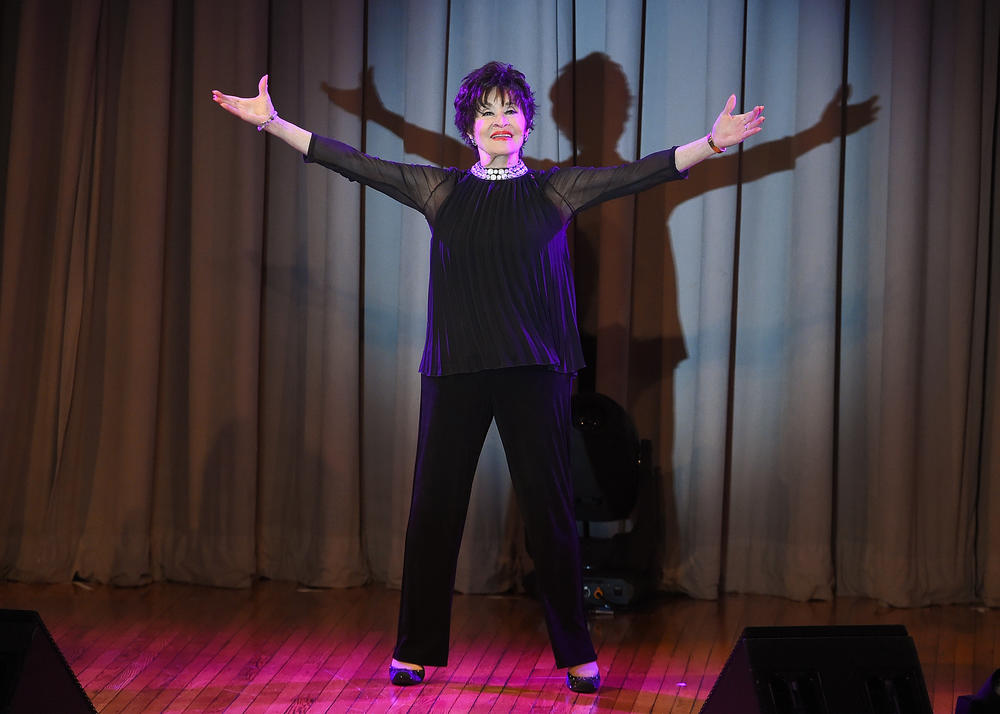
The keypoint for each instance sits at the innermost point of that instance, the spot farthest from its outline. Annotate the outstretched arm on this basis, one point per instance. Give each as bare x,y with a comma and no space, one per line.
260,111
728,130
777,155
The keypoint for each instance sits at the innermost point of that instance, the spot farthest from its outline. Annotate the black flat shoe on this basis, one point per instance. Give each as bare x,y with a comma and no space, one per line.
583,685
403,677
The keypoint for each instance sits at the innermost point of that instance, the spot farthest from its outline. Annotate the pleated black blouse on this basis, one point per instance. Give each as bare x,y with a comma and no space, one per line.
501,285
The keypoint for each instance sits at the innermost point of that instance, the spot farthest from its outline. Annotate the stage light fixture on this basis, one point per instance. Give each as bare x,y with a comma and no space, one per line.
610,464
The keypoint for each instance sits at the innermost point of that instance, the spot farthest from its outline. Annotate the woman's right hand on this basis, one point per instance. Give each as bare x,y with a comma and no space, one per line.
255,110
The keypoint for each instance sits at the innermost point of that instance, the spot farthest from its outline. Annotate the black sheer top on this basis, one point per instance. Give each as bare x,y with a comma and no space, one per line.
501,286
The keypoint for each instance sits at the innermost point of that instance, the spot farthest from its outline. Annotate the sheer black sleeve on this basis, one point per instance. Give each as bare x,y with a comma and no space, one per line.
576,188
421,187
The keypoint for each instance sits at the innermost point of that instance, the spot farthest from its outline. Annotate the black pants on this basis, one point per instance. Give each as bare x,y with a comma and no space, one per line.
531,406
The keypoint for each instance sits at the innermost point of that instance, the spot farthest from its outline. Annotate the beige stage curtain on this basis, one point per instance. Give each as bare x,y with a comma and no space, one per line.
915,298
208,348
986,343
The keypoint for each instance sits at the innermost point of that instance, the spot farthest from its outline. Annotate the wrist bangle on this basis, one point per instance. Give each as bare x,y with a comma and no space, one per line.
261,127
711,143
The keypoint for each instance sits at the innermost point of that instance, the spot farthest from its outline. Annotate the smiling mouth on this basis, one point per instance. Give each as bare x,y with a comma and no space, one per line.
502,135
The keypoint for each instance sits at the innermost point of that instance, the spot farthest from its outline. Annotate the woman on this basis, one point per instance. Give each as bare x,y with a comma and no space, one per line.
502,342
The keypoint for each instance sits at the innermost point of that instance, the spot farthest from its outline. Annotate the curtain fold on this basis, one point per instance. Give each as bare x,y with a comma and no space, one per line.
396,265
682,289
41,324
779,525
309,487
982,446
204,502
208,348
907,492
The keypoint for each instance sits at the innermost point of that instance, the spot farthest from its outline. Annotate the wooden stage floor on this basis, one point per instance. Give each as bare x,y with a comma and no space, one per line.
278,648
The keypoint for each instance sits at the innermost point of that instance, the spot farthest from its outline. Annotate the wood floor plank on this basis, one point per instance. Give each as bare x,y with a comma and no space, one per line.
489,677
347,613
369,678
473,636
944,671
469,617
185,675
198,693
305,667
695,673
111,643
172,636
648,676
94,628
965,643
503,668
171,647
728,626
352,651
672,660
644,648
245,655
136,656
986,653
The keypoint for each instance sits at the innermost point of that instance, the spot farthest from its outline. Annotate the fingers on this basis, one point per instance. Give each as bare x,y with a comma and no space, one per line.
750,115
234,105
754,118
752,127
230,99
730,104
262,85
224,100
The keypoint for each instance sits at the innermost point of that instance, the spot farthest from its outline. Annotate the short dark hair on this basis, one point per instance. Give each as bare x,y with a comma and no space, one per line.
477,86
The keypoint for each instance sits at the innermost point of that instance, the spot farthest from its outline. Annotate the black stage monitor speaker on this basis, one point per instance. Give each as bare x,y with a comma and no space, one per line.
871,669
34,676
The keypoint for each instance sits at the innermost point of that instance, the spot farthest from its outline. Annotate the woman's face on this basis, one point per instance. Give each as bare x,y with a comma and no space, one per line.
499,128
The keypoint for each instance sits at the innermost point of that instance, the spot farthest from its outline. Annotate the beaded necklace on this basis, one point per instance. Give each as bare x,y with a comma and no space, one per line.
488,174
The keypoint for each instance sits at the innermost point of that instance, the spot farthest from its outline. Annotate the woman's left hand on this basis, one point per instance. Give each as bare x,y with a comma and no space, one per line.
730,129
255,110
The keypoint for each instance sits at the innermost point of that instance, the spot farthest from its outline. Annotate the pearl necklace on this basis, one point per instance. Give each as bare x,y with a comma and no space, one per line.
488,174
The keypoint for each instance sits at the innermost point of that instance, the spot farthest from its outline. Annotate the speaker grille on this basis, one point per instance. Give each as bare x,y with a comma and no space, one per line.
827,670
